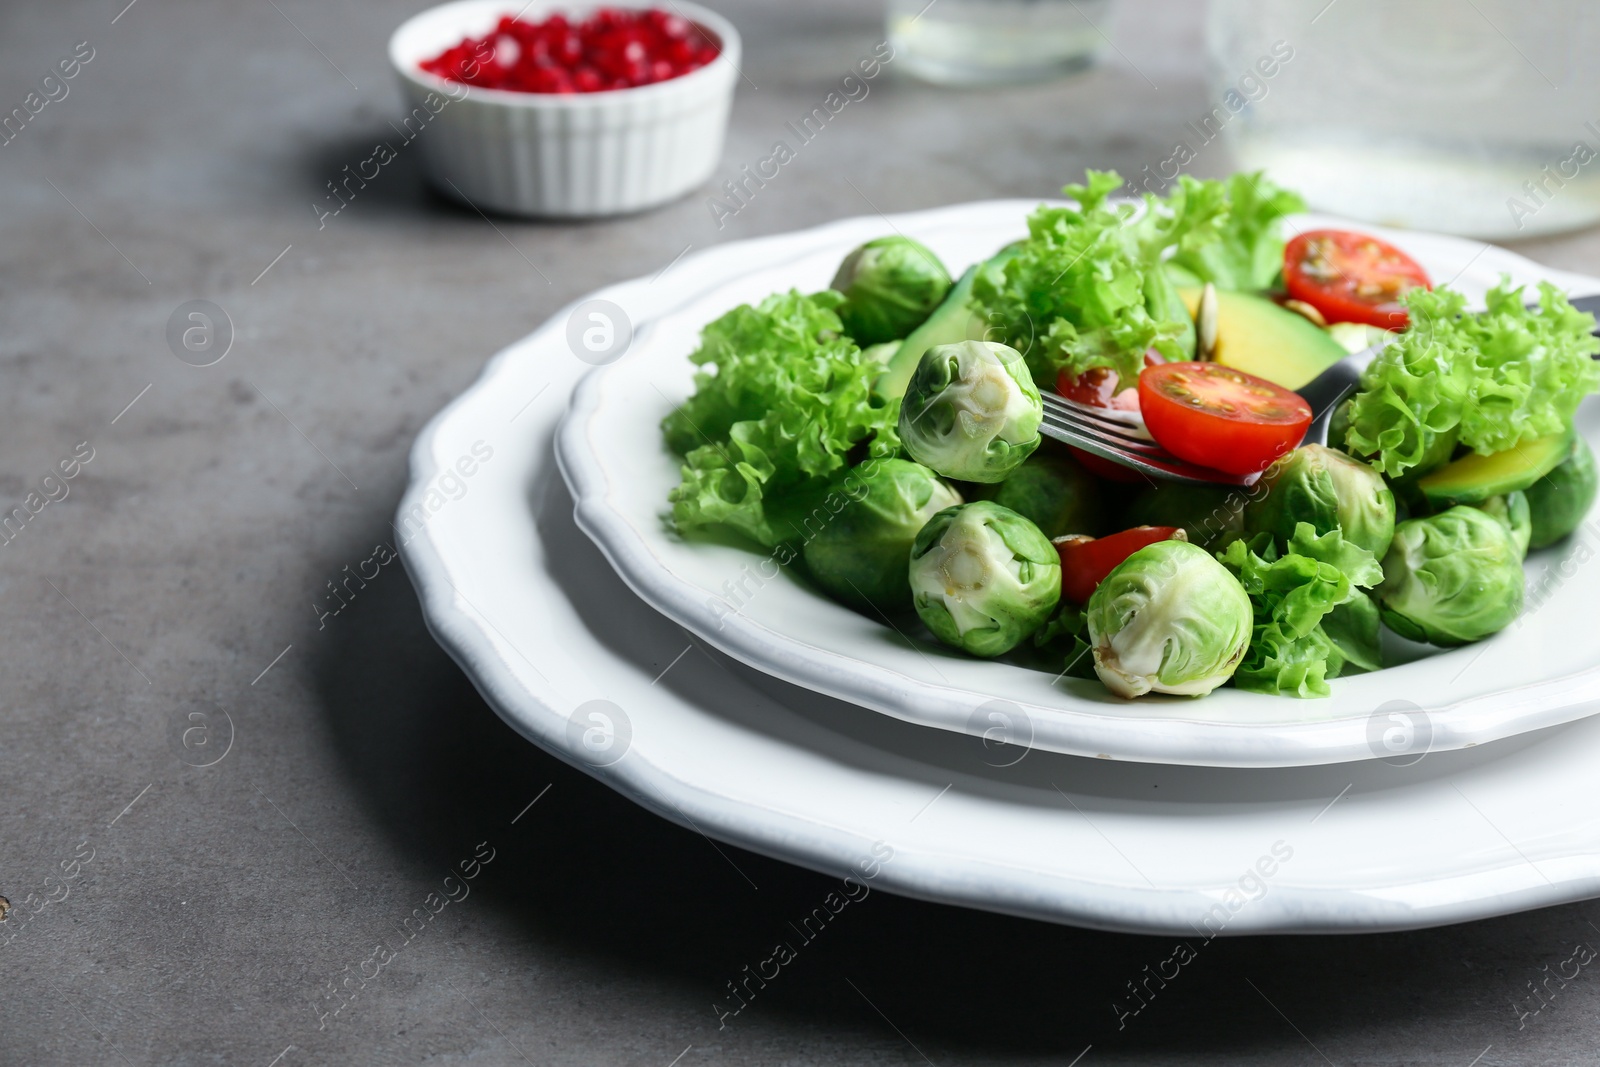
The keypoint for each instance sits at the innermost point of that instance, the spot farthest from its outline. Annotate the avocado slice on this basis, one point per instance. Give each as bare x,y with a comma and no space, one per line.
952,322
1474,478
1259,337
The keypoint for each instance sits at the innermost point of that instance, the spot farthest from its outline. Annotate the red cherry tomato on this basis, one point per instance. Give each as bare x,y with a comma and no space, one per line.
1351,277
1219,417
1101,467
1085,561
1097,387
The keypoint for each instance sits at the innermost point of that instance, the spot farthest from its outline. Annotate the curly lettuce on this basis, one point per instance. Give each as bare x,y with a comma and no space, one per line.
1488,381
782,402
1088,287
1312,616
1241,247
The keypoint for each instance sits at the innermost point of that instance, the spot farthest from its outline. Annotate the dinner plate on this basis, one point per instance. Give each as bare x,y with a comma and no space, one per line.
537,618
1532,675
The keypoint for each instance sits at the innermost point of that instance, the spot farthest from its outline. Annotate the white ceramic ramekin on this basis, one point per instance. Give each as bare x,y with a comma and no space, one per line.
577,155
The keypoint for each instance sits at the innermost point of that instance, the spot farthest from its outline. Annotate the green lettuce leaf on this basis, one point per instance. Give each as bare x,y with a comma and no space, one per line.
781,402
1353,629
1532,369
1309,617
1073,296
1242,247
1493,379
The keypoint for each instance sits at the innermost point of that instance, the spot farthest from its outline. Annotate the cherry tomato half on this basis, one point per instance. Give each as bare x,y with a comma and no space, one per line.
1097,387
1219,417
1085,561
1351,277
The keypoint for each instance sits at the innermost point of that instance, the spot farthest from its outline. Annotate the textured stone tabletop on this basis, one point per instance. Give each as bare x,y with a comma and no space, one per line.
167,913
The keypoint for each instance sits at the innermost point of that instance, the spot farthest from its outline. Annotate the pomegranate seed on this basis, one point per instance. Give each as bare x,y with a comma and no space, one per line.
614,48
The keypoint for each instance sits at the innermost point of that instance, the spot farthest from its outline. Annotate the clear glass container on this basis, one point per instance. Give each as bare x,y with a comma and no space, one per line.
995,42
1476,117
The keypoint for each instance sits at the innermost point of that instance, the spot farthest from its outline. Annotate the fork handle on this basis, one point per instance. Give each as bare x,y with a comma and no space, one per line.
1325,392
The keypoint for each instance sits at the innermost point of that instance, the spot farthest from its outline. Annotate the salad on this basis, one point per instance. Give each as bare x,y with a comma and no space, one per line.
882,437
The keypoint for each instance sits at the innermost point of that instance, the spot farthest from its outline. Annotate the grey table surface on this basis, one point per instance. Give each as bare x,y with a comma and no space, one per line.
174,914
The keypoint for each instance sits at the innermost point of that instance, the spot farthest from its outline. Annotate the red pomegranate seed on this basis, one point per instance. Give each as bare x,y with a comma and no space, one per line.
614,48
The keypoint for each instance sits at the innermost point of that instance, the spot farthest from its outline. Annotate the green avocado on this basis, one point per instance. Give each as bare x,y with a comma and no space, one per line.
952,322
1259,337
1474,478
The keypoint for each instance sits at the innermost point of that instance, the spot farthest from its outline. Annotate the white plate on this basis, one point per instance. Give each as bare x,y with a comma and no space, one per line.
1530,676
536,617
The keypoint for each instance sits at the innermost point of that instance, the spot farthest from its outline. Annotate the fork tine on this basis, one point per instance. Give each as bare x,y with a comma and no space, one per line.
1163,469
1126,422
1137,453
1116,444
1109,429
1116,437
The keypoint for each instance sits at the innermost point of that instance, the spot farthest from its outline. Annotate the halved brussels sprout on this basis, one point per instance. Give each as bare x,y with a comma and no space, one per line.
1558,502
1212,516
890,286
1329,490
1451,578
859,555
1053,492
971,411
983,578
1512,510
1168,619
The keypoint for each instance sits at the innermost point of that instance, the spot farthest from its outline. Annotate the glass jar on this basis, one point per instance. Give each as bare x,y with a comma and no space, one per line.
994,42
1475,117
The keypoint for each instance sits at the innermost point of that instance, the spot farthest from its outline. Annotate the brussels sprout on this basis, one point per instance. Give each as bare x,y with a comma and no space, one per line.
1168,619
859,556
983,578
890,285
1053,492
1329,490
1212,516
971,411
1559,501
1451,578
1512,510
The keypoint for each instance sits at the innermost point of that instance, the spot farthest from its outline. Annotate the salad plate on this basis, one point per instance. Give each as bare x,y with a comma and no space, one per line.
537,618
1532,675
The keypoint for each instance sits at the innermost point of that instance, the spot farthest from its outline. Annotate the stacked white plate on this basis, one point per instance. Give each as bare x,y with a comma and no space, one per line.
717,689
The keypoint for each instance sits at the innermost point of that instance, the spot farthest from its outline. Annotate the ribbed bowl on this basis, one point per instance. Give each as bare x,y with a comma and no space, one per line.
561,156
